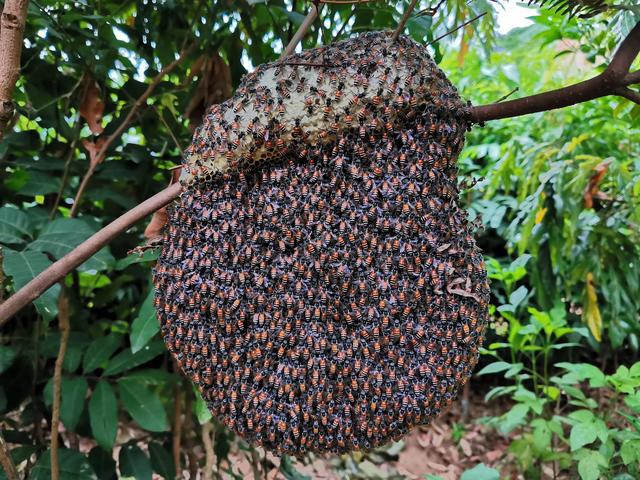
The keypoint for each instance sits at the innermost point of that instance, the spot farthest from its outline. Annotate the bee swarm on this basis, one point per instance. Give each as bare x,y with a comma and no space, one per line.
319,282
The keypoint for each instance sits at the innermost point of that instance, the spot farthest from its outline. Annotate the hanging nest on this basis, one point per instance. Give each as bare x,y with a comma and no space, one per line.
319,282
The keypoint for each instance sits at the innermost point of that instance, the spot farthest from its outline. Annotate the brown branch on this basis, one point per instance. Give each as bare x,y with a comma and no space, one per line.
6,461
454,30
629,94
404,20
188,431
1,276
139,103
82,252
208,433
176,433
12,22
63,325
302,31
610,82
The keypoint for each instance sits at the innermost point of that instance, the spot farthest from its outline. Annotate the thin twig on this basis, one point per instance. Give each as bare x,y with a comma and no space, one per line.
457,28
140,102
12,22
404,20
176,431
208,432
166,125
188,431
82,252
302,31
610,82
6,461
504,97
430,11
255,463
67,167
64,327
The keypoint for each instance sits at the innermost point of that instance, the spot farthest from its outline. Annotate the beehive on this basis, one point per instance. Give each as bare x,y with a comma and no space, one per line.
319,282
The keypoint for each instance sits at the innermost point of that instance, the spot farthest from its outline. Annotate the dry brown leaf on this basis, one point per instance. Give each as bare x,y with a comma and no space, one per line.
466,447
593,187
214,87
93,148
92,106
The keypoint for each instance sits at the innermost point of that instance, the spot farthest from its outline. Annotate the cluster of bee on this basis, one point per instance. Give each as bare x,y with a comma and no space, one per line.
320,283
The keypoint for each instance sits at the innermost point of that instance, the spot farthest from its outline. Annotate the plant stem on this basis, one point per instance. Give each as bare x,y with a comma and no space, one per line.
63,325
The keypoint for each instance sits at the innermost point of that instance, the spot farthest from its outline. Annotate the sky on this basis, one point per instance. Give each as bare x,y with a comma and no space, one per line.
513,15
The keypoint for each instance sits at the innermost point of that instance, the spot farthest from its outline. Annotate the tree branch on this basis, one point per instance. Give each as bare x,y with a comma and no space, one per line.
302,31
12,23
609,82
140,102
6,461
404,20
82,252
63,325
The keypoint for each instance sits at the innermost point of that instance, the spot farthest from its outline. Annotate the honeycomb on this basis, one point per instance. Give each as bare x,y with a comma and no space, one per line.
319,282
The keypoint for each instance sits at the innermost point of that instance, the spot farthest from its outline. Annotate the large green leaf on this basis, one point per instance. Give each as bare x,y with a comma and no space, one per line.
144,406
64,234
74,391
134,463
14,225
23,267
127,360
7,356
145,326
103,464
99,351
72,465
162,461
103,415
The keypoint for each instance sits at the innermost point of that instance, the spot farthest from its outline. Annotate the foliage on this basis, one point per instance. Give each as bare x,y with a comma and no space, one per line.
558,265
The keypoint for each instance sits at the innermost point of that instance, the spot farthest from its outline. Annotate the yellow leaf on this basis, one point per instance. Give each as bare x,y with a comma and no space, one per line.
540,215
464,44
591,314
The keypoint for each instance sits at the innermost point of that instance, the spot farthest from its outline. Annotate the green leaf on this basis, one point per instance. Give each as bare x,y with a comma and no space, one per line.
145,325
62,235
134,463
590,463
72,465
288,469
162,461
74,391
516,297
14,225
127,360
582,434
630,451
200,408
39,183
480,472
103,415
23,267
103,464
7,356
144,406
99,351
494,367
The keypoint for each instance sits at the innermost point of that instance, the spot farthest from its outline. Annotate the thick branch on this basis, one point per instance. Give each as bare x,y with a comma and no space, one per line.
609,82
82,252
12,23
140,102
